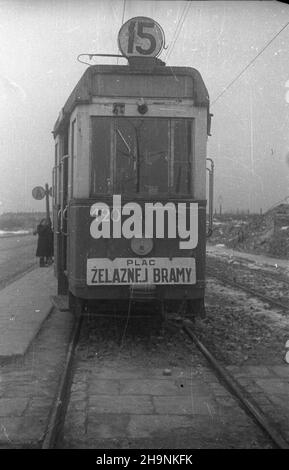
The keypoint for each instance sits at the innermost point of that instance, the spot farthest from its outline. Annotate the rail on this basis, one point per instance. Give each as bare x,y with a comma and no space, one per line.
239,392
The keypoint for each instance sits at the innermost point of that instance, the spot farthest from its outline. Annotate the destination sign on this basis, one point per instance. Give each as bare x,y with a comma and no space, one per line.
122,271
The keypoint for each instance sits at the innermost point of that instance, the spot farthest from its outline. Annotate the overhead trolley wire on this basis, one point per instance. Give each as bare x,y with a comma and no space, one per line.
123,11
122,19
249,64
178,28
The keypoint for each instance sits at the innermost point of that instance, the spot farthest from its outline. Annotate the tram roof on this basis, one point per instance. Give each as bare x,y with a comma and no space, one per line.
86,87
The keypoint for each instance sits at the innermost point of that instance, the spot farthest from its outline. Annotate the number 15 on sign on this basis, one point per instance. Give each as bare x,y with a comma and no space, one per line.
141,37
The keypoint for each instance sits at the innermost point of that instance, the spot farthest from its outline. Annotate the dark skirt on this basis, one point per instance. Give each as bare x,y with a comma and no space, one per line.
45,242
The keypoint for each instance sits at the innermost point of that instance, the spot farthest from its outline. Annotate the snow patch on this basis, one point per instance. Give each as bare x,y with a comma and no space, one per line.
4,233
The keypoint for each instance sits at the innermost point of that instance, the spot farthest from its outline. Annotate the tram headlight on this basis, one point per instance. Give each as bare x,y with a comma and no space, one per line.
141,246
142,106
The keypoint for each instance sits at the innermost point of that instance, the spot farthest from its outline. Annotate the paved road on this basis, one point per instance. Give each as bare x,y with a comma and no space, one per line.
17,254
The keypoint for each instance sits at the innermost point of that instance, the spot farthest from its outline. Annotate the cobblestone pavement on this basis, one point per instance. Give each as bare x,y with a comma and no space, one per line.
269,387
28,385
120,398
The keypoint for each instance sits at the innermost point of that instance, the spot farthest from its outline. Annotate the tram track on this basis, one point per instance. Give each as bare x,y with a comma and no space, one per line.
252,282
251,291
239,392
60,403
280,278
55,427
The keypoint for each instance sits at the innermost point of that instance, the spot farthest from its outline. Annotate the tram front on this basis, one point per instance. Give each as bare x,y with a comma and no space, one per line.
136,219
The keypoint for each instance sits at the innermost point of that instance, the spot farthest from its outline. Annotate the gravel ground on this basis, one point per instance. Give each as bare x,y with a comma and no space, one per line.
253,233
239,328
115,339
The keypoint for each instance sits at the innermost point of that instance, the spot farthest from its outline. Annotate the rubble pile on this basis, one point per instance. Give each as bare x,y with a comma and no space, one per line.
266,234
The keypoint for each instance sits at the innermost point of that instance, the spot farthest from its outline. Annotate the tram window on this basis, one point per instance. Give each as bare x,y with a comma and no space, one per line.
65,142
182,130
100,155
142,149
56,176
73,154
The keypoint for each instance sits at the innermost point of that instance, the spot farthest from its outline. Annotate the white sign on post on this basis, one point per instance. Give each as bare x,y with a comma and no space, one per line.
38,192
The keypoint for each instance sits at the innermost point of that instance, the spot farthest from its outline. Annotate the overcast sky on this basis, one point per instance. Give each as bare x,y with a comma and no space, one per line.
39,43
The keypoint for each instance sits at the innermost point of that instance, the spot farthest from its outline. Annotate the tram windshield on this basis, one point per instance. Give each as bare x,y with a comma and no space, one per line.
141,155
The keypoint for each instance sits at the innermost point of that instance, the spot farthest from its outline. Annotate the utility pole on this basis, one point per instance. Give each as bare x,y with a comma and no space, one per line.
47,201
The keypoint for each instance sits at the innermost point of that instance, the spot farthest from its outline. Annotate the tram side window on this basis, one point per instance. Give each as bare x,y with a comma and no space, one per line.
142,149
73,154
100,155
182,130
56,176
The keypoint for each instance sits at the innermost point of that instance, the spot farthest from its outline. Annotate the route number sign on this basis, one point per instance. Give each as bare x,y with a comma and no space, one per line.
38,192
141,37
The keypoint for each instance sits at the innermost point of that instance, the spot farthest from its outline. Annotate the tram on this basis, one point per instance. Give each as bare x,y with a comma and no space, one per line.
129,181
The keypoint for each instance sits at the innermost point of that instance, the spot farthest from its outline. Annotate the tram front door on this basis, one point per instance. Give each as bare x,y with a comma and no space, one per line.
61,233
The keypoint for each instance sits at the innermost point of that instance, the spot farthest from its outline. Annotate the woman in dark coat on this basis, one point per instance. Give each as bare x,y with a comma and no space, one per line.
45,242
